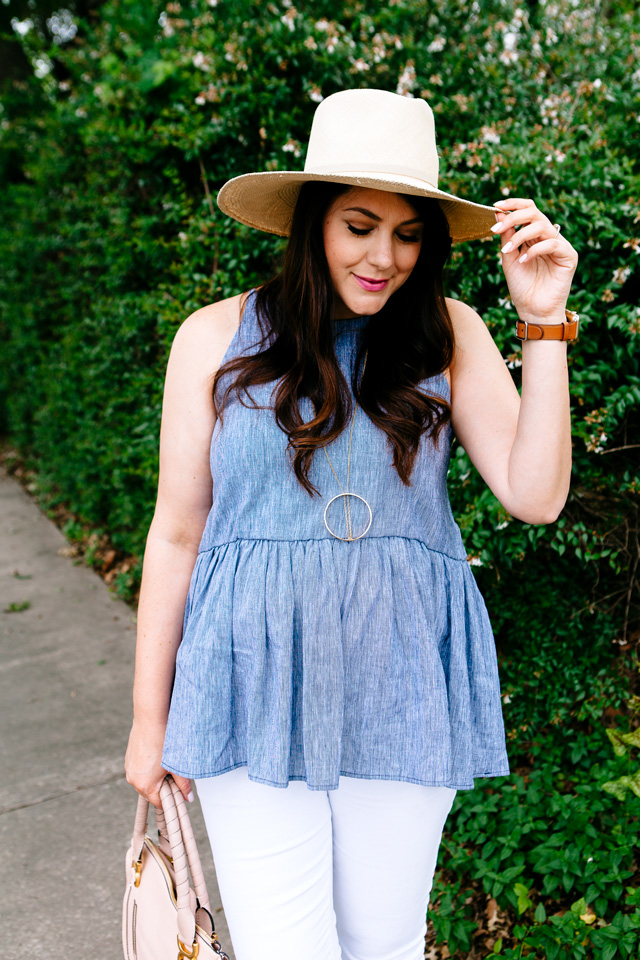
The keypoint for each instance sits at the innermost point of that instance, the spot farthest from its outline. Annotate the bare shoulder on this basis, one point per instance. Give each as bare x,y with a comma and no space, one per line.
463,317
204,337
472,337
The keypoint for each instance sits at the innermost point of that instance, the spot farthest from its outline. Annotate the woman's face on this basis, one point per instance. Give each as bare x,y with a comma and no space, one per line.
372,241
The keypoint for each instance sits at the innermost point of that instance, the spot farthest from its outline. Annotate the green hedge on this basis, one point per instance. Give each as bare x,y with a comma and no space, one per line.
112,140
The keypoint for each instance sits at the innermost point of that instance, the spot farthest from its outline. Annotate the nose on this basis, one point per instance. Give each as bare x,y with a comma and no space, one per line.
380,251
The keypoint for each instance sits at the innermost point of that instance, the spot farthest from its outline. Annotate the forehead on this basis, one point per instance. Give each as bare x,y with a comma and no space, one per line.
381,202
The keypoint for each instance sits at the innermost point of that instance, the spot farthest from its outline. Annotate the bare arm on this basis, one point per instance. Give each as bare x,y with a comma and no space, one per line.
183,503
520,445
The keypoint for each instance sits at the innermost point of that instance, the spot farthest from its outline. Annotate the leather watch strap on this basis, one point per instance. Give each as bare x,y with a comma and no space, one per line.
549,331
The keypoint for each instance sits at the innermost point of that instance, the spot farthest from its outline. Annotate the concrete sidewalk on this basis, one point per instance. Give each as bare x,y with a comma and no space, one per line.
66,811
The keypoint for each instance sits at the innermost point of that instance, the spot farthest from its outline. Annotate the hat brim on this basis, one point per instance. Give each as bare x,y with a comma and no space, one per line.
266,200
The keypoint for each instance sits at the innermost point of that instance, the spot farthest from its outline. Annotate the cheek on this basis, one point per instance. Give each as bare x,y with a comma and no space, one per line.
409,257
339,251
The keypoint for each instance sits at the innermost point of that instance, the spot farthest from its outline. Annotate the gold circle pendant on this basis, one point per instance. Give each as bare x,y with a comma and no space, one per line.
347,516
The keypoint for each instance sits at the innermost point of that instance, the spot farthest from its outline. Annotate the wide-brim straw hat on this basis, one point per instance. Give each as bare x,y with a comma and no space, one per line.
365,138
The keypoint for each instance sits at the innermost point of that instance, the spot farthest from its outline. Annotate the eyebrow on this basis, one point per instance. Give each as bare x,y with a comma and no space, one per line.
368,213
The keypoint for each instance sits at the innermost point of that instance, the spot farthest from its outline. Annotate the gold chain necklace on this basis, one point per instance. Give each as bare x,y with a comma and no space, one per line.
346,494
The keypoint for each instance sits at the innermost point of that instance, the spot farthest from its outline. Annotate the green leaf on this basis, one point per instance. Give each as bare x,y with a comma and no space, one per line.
540,913
615,737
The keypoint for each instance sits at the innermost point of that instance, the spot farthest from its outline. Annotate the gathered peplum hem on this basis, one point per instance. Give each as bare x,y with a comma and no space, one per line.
314,659
304,657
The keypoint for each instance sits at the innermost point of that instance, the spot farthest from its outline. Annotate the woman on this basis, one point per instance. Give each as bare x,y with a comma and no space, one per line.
312,647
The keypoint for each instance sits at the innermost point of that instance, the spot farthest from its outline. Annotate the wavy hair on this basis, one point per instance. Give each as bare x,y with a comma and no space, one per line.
408,340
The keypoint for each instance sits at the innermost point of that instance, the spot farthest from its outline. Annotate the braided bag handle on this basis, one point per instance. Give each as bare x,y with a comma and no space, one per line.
175,826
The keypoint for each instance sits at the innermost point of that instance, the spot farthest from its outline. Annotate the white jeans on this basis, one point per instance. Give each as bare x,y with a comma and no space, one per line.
314,875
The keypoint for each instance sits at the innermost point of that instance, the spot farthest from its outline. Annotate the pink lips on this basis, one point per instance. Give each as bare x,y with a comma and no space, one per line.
374,285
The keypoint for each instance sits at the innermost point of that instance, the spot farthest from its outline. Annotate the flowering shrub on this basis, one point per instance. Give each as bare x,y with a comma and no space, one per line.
118,123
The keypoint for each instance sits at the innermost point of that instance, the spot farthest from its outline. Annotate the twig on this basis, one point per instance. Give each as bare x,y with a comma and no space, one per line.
632,580
627,446
207,193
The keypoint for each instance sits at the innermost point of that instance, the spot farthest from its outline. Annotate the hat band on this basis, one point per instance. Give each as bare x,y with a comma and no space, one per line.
348,170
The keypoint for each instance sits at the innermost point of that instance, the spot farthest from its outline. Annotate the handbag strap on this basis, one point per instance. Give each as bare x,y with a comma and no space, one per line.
179,832
191,849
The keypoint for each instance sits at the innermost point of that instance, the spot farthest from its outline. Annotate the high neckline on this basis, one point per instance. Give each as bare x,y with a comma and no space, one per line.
338,325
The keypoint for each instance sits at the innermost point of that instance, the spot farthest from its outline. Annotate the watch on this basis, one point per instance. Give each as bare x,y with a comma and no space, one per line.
526,330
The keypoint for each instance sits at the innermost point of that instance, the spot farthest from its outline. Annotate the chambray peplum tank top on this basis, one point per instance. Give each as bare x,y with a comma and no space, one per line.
305,657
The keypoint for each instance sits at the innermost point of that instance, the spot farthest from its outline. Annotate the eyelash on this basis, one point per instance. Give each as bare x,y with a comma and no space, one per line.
363,233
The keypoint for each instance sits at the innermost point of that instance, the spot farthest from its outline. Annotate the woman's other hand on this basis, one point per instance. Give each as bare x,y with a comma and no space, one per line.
143,763
538,264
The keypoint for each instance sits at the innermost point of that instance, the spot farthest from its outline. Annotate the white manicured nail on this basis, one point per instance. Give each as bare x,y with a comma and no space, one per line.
507,247
191,797
522,258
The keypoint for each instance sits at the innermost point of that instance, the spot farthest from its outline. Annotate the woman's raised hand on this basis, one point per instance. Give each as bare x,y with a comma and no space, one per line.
538,263
143,766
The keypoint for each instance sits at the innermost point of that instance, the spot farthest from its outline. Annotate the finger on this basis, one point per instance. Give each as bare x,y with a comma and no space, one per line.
514,203
518,218
561,251
530,233
184,786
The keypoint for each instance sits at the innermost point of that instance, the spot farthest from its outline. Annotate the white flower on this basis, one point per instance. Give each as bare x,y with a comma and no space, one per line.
475,561
21,27
514,364
489,135
406,80
41,67
597,83
322,24
503,525
621,275
506,698
201,61
315,94
292,146
360,64
289,18
437,45
510,39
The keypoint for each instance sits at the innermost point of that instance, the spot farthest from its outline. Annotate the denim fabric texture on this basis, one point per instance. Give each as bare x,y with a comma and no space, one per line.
308,658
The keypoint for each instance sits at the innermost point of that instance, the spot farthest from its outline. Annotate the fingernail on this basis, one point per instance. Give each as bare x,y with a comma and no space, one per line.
506,247
496,227
522,258
191,797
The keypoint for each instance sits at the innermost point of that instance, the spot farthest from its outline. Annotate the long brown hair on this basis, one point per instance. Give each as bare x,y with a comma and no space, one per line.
408,340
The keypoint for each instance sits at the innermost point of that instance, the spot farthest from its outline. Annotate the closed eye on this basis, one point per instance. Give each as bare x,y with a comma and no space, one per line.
362,232
359,233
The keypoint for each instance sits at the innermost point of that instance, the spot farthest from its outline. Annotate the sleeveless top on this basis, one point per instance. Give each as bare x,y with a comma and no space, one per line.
305,657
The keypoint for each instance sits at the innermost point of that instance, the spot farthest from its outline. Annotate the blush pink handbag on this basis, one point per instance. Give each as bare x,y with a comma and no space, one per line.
163,916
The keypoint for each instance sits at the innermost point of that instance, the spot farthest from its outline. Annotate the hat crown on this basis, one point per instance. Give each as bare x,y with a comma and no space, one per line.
373,131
